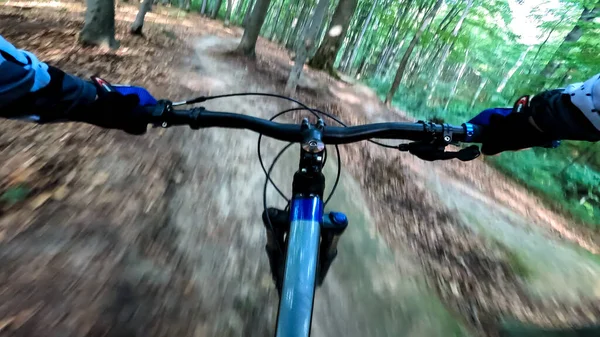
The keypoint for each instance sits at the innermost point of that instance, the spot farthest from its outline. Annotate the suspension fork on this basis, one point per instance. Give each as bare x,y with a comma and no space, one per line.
333,226
308,181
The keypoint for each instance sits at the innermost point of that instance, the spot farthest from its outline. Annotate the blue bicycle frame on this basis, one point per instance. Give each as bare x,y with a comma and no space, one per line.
302,240
300,276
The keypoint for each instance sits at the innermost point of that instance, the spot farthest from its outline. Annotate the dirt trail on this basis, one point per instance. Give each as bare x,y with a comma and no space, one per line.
502,242
222,238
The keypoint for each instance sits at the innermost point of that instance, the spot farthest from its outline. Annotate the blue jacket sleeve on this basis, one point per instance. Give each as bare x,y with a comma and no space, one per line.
31,89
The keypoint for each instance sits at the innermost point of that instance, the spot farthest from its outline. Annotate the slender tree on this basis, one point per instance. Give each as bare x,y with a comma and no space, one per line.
310,34
512,70
215,11
301,21
248,44
276,21
138,23
402,26
248,13
400,72
327,52
203,7
588,15
228,12
362,34
99,26
461,72
447,48
478,92
388,39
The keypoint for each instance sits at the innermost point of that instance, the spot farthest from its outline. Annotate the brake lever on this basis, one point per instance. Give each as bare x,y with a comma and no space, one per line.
433,152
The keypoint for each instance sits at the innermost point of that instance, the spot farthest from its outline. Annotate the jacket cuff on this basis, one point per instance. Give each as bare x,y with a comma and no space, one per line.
77,92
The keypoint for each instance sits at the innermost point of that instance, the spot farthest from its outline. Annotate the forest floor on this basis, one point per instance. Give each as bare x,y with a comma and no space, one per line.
106,234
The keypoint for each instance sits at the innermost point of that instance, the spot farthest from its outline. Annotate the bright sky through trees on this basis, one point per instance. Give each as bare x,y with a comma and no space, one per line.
524,25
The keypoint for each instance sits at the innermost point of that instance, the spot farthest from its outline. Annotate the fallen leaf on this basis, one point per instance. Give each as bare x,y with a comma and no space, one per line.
21,175
6,322
23,316
40,200
100,178
60,193
69,177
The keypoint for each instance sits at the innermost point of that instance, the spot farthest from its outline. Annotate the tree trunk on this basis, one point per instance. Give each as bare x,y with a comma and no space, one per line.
138,23
361,36
447,20
228,13
308,40
347,44
298,28
478,92
369,47
588,15
413,66
287,23
248,13
447,48
382,59
458,78
203,8
400,72
327,52
99,26
188,5
512,70
216,9
390,55
388,41
275,22
318,38
259,13
236,7
391,50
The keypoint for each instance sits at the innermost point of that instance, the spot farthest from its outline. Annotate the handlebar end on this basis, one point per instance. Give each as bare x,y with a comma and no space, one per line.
472,133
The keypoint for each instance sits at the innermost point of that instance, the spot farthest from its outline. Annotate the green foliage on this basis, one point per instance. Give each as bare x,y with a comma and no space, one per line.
493,50
573,188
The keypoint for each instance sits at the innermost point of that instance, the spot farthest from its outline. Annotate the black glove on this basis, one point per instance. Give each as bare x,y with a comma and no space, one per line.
512,132
536,121
113,110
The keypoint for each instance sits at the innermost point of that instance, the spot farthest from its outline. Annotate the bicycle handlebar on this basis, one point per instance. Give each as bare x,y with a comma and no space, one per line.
202,118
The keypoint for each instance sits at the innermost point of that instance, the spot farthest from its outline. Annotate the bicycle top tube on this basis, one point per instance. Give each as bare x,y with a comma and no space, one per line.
202,118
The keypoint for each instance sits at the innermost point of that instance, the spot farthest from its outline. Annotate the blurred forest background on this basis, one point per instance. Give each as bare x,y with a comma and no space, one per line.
444,59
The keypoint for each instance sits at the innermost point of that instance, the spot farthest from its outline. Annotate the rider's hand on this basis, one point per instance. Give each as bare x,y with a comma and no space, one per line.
534,121
117,107
114,111
509,130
